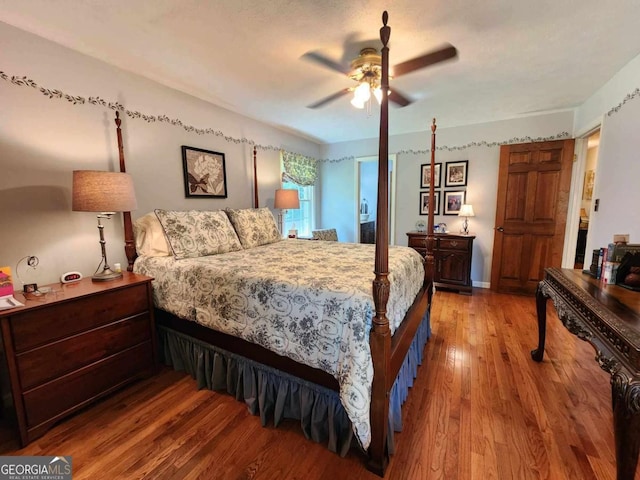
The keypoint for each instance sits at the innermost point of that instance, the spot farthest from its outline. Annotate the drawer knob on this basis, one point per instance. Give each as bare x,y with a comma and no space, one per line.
454,243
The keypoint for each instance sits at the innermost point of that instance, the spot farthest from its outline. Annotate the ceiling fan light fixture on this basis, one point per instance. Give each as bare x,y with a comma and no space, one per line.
377,92
356,102
362,92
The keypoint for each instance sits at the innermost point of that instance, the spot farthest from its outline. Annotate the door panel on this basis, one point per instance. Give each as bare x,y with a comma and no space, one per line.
541,246
533,196
511,264
516,209
546,197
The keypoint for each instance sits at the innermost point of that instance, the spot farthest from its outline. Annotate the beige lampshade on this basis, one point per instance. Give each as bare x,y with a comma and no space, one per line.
97,191
466,211
286,198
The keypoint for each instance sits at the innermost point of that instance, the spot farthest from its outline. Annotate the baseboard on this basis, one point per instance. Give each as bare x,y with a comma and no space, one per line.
481,284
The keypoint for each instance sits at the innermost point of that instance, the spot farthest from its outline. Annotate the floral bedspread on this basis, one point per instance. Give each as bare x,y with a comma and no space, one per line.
308,300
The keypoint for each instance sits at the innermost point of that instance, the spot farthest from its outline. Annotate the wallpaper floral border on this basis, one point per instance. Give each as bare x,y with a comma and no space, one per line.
116,106
23,81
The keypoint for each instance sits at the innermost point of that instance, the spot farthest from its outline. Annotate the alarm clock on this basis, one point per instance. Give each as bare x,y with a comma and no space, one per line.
70,277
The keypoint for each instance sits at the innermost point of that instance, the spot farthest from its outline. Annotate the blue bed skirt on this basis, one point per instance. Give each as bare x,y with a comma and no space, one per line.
275,395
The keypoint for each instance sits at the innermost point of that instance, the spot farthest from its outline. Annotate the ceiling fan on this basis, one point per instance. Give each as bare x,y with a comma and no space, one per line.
366,71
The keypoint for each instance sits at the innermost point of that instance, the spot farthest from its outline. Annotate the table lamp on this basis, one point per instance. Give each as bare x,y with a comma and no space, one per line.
466,211
286,198
106,193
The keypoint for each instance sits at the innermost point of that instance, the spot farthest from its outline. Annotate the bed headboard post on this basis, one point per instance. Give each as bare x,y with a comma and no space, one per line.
429,270
129,243
380,339
255,178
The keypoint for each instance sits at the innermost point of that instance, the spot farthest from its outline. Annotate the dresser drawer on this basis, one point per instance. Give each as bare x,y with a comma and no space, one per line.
70,392
461,244
40,326
63,356
418,242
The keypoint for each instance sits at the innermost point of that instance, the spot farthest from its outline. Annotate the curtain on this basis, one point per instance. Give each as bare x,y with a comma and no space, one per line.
299,169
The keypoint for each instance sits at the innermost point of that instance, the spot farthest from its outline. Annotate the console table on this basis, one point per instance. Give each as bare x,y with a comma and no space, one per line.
608,317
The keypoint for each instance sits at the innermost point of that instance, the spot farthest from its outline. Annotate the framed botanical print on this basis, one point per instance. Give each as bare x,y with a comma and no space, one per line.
453,200
424,203
456,174
205,175
425,175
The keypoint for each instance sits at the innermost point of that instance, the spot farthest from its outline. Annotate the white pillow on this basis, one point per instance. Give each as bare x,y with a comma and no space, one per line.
149,236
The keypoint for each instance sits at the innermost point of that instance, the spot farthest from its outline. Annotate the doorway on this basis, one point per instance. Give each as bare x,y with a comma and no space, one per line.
593,143
366,198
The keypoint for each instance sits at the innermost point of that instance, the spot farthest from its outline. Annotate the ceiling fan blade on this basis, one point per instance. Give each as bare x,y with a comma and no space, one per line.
398,98
330,98
317,57
425,60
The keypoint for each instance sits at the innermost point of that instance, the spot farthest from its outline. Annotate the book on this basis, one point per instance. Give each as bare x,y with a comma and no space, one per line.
602,255
609,272
7,299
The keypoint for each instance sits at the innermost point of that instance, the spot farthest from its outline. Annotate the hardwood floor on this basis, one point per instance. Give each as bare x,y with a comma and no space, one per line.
480,409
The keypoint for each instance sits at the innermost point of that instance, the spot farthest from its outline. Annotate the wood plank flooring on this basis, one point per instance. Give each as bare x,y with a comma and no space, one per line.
480,409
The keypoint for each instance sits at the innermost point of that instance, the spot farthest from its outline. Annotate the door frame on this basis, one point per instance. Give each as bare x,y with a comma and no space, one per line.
392,195
575,194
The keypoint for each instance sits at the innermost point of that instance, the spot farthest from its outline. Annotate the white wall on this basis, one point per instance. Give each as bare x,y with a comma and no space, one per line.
477,143
42,140
617,105
617,186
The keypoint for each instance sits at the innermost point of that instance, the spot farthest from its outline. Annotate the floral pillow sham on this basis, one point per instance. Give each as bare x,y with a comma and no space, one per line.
254,226
195,233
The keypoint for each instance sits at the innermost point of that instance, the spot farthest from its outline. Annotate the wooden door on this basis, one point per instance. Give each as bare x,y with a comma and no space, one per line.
533,197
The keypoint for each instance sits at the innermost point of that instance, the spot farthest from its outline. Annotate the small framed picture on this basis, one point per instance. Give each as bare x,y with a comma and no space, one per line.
453,200
456,174
424,203
425,175
205,175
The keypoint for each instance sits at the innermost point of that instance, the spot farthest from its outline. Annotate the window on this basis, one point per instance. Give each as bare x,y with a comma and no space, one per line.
302,218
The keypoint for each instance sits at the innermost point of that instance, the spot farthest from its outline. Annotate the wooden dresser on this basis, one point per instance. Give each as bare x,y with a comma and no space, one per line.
452,256
71,346
368,232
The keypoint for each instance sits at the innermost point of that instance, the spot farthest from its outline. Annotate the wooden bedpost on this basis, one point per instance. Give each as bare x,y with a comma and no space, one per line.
429,267
255,178
380,339
129,243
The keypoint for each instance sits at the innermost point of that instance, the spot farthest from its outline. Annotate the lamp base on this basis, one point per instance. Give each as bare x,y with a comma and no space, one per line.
106,275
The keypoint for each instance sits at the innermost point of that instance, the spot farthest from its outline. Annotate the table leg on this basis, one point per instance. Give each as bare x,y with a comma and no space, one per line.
541,308
626,425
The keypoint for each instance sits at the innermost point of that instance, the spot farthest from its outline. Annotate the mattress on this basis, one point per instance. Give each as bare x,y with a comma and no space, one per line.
308,300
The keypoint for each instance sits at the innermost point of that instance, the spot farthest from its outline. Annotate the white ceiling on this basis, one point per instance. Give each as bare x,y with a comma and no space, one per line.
516,57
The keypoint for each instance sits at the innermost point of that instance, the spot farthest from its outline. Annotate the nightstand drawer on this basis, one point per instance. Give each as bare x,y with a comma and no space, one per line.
52,400
40,326
461,244
418,242
55,359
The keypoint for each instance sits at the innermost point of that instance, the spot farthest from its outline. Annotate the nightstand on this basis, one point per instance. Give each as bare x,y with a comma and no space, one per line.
452,256
82,341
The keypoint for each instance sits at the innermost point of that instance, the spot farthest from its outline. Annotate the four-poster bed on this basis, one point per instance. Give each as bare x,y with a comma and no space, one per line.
395,348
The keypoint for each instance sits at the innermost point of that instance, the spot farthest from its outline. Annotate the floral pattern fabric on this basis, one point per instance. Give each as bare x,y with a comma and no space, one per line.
309,301
195,233
329,234
254,226
299,169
